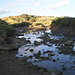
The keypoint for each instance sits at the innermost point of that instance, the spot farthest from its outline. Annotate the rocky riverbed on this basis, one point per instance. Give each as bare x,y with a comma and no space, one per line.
38,53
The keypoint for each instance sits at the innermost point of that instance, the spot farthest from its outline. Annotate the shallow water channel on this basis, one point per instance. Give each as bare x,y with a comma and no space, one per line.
47,54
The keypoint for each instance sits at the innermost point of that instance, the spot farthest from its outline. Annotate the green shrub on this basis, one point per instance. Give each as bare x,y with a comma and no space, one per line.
25,16
32,19
6,30
35,24
21,24
64,22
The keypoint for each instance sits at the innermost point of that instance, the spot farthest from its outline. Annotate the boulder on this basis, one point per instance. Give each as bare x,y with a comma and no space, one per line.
9,47
69,42
36,43
31,50
51,72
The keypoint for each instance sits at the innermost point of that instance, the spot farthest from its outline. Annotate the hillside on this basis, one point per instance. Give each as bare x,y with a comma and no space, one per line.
28,39
64,22
43,20
64,25
32,21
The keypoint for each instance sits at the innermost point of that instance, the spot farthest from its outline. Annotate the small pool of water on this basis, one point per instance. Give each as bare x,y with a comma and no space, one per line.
47,55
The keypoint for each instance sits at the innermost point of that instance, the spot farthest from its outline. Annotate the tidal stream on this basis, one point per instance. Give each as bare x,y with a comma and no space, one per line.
47,54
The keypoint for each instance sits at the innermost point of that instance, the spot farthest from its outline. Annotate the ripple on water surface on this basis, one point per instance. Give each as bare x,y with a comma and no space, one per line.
47,55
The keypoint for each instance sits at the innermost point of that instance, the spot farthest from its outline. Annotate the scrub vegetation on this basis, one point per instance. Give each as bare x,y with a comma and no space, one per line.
9,24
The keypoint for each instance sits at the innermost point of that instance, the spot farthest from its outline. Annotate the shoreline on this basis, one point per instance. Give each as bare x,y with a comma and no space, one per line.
11,65
66,31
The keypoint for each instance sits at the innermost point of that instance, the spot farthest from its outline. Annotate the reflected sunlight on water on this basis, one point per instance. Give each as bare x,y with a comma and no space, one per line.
46,55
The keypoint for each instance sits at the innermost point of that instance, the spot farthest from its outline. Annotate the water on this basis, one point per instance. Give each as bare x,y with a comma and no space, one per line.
47,55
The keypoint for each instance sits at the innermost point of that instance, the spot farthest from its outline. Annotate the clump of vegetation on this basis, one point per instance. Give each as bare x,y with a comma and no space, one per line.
44,20
32,19
40,20
64,22
21,24
36,24
5,29
20,19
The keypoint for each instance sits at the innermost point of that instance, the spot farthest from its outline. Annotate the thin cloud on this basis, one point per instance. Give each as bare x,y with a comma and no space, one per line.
23,10
16,4
20,11
24,0
3,11
58,4
32,0
21,0
37,3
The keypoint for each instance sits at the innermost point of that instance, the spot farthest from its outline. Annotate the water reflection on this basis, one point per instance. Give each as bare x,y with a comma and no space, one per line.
74,47
47,55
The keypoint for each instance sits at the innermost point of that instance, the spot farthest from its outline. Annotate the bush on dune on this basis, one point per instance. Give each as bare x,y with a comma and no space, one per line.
32,19
6,29
64,22
36,24
21,24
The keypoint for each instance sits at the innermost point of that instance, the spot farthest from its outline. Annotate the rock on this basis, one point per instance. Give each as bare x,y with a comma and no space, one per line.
69,43
50,45
54,41
50,55
31,50
53,73
44,52
37,55
45,58
49,51
21,54
14,46
60,52
57,44
35,60
2,41
45,37
62,65
64,69
29,38
74,62
45,69
31,57
57,58
36,43
72,66
54,60
58,72
19,34
9,46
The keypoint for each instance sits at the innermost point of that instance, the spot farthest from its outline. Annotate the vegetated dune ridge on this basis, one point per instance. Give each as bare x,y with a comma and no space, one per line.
57,24
12,26
65,25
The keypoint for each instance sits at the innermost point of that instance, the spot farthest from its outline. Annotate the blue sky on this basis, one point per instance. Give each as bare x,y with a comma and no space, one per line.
37,7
